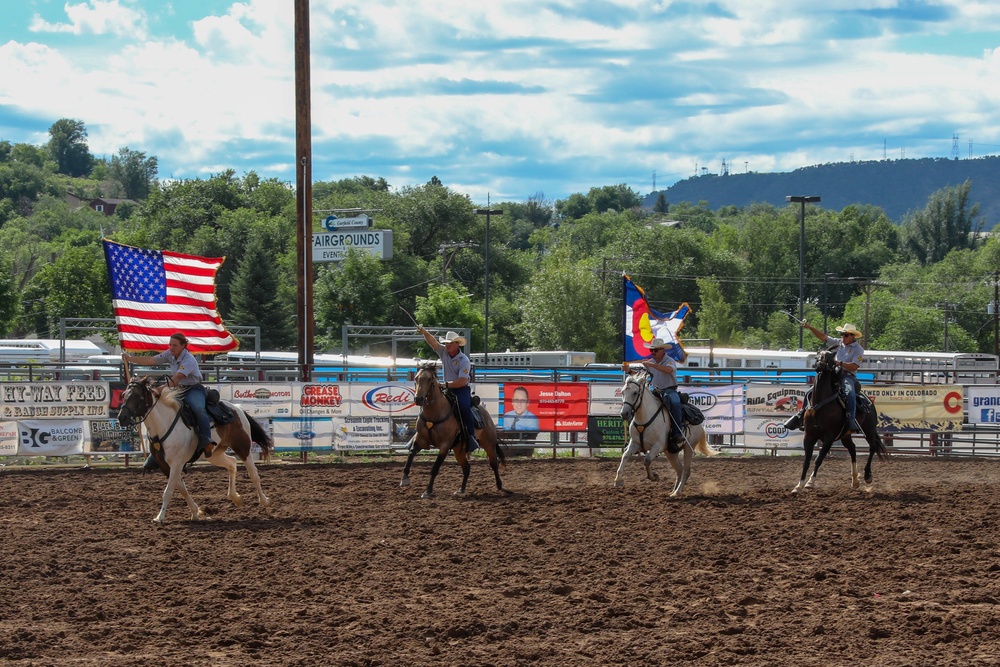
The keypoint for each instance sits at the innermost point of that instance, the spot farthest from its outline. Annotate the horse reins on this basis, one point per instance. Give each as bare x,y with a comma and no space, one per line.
635,411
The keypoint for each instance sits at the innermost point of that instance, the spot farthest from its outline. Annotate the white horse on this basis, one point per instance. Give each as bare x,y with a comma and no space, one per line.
174,444
648,430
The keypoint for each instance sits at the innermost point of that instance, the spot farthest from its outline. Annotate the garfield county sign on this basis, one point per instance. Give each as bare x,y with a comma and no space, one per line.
334,246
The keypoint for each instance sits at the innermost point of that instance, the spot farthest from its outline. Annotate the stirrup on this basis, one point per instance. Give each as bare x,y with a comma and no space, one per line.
794,423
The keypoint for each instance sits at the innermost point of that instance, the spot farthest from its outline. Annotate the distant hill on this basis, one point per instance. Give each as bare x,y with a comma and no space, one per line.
897,186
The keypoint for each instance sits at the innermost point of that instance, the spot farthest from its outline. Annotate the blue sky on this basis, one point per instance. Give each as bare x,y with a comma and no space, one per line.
513,97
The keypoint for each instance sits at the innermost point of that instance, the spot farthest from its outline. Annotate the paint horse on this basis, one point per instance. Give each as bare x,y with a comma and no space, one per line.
438,427
174,444
649,426
826,419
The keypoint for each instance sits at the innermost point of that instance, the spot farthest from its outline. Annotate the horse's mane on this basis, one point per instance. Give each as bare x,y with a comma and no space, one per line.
168,397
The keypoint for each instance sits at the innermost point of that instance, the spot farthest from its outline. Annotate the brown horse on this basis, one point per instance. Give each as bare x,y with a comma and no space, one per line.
826,420
438,428
174,444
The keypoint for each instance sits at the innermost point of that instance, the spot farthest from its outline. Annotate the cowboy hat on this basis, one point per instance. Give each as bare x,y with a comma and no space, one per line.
659,344
452,337
849,329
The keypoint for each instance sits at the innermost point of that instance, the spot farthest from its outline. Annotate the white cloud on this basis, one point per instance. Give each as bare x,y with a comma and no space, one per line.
98,17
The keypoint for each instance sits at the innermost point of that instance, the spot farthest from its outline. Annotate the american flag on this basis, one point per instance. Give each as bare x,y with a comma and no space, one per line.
159,293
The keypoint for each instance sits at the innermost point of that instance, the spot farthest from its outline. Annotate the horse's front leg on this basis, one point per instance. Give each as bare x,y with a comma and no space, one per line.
823,451
808,444
631,449
442,455
409,463
173,481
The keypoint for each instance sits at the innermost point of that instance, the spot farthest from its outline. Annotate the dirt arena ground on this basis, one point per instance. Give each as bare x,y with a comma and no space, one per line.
349,569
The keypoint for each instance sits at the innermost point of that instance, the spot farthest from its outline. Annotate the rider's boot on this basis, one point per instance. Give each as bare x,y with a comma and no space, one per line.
150,464
470,443
854,426
207,448
676,442
794,423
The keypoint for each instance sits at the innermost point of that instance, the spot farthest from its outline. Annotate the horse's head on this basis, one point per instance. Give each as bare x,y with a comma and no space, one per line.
137,400
632,395
426,384
826,361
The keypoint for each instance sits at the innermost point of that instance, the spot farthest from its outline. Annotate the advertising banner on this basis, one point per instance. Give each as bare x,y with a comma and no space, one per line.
984,404
329,399
915,408
54,400
362,433
50,437
263,400
549,406
387,399
107,435
304,434
768,406
722,406
605,431
605,400
8,438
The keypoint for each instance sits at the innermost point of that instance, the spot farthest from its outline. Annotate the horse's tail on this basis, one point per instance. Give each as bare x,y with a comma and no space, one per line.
701,446
260,436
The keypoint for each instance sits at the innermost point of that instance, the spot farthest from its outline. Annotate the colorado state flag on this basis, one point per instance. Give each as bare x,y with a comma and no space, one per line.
643,324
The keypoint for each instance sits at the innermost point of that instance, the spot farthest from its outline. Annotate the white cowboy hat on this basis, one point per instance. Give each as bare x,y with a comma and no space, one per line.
659,344
849,329
452,337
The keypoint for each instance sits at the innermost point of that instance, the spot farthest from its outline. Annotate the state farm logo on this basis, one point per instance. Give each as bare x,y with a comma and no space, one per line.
388,398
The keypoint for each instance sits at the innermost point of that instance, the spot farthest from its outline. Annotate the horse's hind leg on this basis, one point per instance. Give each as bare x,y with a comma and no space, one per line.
221,460
255,478
463,460
491,455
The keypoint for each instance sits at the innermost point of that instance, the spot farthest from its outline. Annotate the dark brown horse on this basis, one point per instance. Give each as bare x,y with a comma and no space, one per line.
439,428
827,420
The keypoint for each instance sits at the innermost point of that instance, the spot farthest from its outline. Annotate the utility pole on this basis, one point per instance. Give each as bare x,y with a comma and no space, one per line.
486,327
996,313
303,188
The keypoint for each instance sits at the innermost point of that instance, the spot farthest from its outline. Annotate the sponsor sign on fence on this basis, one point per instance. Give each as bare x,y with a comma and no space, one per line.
49,437
53,400
926,407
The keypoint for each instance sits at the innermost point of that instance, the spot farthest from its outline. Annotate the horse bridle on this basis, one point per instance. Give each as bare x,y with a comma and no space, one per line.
635,410
148,401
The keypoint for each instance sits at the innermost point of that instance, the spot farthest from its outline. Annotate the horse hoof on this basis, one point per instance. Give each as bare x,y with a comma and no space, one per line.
425,495
459,493
157,519
405,482
619,483
797,489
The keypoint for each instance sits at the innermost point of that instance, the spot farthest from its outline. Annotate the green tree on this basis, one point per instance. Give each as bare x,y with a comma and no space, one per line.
133,173
8,297
68,147
947,222
716,319
444,306
565,309
75,285
255,298
661,205
356,290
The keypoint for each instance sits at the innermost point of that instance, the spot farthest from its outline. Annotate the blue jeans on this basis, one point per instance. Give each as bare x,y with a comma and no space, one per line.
850,386
673,402
195,396
464,396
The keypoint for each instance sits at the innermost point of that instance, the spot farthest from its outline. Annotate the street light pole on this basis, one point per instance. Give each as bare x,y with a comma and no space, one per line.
802,199
486,306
